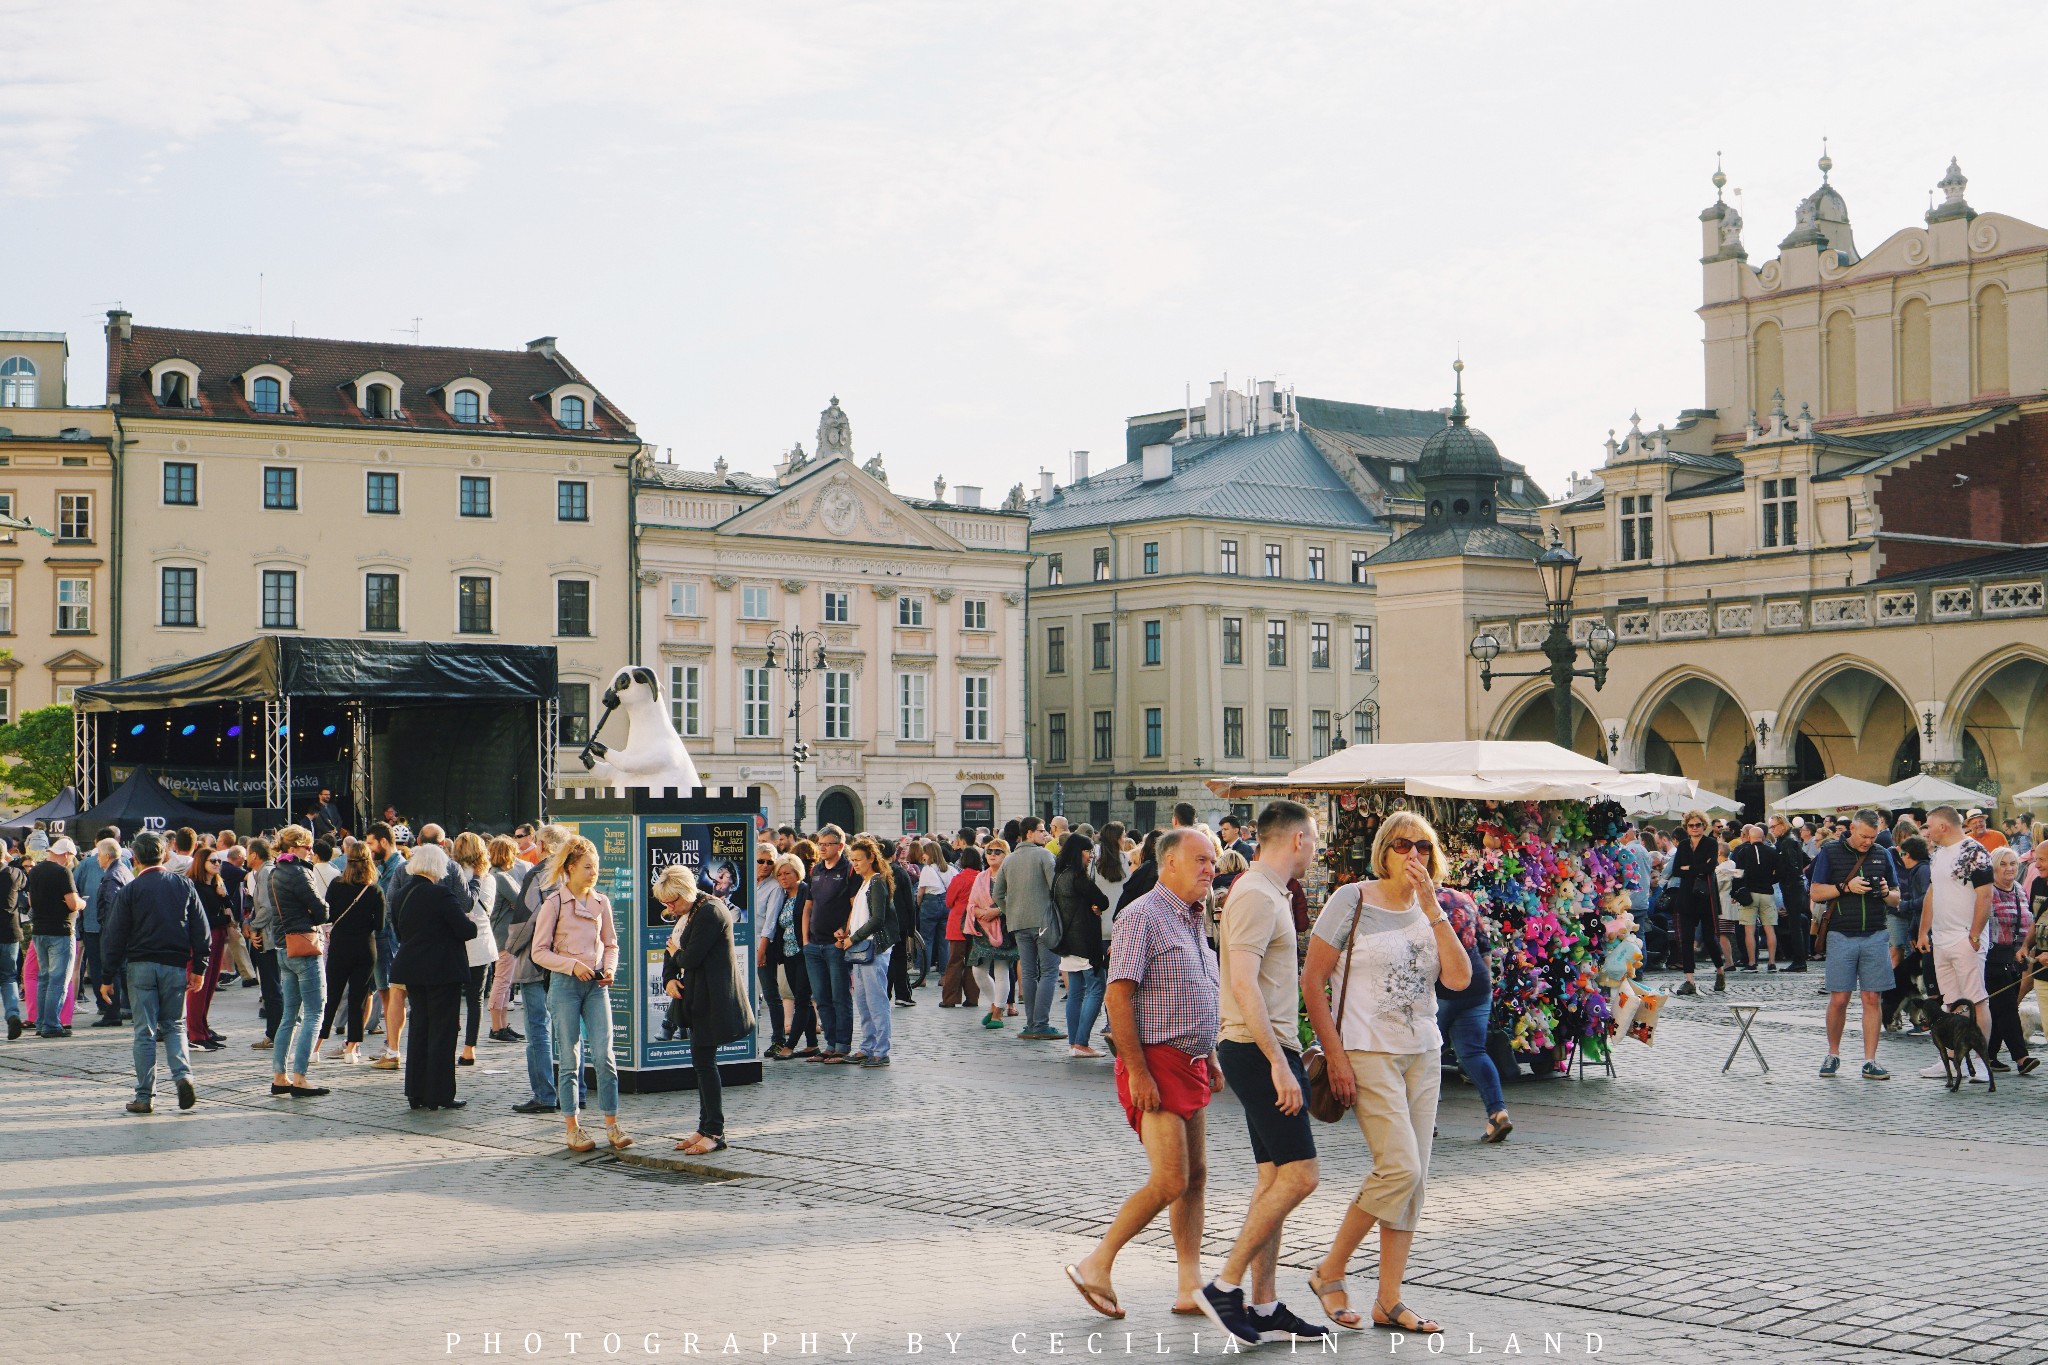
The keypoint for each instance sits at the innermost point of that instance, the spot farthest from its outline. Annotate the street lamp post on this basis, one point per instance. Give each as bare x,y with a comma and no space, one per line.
1559,568
805,650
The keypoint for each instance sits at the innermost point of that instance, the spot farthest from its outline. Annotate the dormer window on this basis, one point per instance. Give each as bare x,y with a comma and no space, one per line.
171,390
266,395
572,413
377,395
17,382
267,388
377,400
466,405
175,382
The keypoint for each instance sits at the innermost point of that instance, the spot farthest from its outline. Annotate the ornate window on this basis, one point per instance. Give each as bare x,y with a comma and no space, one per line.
380,601
17,382
1781,512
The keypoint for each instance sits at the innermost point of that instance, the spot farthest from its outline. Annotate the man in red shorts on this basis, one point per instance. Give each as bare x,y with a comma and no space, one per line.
1164,1014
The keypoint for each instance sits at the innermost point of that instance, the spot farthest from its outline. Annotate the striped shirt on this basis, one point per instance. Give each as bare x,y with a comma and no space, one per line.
1159,944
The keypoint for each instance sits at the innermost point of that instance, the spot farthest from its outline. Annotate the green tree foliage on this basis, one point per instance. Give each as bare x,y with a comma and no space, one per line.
35,753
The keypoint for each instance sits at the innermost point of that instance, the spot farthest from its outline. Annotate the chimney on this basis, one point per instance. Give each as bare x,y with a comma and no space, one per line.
1158,462
1045,485
122,321
1214,415
1269,411
542,346
967,494
1080,466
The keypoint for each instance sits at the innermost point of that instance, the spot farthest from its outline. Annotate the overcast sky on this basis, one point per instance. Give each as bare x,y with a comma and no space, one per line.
994,230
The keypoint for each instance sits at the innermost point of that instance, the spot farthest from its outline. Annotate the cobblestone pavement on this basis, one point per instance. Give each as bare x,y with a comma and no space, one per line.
1678,1213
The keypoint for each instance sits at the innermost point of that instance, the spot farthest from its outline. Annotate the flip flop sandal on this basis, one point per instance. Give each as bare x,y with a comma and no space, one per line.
1101,1300
690,1146
1392,1322
1322,1289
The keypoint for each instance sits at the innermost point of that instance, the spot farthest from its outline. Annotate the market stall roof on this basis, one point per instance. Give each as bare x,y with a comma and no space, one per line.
1837,793
1656,796
1926,790
2039,793
1489,770
385,671
62,806
138,803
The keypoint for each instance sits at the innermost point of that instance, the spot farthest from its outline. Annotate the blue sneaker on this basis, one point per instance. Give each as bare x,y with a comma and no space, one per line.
1226,1309
1831,1066
1282,1325
1873,1072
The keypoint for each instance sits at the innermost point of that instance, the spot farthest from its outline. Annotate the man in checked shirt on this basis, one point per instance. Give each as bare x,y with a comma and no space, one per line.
1164,1014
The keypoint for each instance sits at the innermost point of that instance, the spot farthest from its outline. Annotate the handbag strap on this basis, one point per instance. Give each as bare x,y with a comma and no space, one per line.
1350,946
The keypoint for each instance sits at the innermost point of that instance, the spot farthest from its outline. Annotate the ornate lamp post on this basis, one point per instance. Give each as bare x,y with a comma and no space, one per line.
805,650
1560,570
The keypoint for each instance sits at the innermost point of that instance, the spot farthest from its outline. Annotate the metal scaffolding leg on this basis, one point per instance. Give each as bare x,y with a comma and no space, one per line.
277,753
85,757
359,762
550,717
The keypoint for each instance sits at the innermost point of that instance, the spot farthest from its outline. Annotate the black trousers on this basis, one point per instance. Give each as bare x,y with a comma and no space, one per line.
430,1018
1795,925
473,1003
771,998
2003,983
266,976
710,1092
351,977
1695,910
803,1011
899,970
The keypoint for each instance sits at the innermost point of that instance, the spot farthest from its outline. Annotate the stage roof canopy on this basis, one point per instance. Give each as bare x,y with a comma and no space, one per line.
381,671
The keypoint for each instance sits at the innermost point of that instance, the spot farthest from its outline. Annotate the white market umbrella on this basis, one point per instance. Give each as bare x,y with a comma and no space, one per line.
1925,790
2039,793
1713,803
1837,793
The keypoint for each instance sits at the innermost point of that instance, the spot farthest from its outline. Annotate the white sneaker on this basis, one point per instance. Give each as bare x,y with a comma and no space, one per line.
1937,1072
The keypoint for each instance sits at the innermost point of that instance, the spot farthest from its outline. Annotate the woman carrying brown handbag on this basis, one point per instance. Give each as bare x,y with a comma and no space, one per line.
1383,1058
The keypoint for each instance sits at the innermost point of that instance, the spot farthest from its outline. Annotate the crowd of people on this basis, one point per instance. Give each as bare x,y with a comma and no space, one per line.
1901,909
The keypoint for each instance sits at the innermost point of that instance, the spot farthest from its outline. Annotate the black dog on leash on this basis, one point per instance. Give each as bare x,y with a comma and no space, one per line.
1956,1036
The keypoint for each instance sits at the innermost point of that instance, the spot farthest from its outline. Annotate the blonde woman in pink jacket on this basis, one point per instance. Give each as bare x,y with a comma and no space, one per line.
575,939
991,953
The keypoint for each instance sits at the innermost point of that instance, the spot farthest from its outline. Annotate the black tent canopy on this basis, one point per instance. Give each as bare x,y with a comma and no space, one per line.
60,807
139,803
456,732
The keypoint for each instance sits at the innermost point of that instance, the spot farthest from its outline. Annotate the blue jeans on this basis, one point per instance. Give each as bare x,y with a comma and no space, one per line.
55,954
156,993
302,989
1084,1004
1038,976
97,965
10,975
581,1013
871,984
1465,1024
832,991
931,922
540,1048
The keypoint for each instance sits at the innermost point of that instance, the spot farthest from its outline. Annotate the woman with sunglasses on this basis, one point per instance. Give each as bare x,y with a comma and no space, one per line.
1387,943
777,907
1694,898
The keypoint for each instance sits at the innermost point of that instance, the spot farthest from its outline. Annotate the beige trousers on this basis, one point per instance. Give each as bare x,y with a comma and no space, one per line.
1396,1110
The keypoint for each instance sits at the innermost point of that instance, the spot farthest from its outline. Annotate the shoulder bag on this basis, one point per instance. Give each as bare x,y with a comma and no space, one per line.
1322,1100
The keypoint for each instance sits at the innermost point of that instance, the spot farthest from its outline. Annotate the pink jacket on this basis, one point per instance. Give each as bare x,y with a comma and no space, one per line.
567,930
982,916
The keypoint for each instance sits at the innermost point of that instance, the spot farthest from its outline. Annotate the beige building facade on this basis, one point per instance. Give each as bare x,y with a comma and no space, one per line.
1838,563
912,617
1202,606
56,528
291,484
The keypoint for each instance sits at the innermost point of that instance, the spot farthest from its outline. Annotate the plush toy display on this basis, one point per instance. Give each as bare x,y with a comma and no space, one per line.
653,755
1634,1010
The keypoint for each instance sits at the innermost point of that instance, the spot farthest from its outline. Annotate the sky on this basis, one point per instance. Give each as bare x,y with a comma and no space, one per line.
993,230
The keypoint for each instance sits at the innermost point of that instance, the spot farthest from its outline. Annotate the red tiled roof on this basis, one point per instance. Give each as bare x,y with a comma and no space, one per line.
324,372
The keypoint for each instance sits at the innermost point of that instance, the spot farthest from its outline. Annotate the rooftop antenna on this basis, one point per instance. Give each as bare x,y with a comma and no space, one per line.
259,301
414,329
1187,407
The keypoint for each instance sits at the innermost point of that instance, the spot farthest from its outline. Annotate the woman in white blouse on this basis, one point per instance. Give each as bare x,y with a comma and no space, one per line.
479,894
1388,942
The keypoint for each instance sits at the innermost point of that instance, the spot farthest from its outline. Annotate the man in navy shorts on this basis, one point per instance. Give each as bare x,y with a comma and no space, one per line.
1260,1054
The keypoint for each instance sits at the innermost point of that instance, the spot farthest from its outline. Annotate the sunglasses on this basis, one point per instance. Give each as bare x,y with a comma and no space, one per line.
1694,824
1403,846
764,862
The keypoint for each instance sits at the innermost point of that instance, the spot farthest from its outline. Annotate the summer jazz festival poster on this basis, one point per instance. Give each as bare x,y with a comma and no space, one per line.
717,853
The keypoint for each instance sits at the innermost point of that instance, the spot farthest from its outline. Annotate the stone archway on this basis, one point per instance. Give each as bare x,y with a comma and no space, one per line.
841,806
1699,729
2003,716
1529,718
1854,717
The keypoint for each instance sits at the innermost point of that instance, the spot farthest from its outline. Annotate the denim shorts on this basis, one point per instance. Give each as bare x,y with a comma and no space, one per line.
1900,929
1858,962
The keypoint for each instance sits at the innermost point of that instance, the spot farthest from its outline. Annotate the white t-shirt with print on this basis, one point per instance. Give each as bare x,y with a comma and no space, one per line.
1952,893
1391,1003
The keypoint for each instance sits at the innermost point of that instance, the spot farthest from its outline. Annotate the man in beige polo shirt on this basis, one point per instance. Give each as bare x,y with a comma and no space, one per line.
1260,1054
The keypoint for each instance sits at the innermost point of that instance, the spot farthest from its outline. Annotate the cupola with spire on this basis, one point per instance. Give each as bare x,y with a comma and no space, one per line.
1460,467
1822,218
1952,204
1720,224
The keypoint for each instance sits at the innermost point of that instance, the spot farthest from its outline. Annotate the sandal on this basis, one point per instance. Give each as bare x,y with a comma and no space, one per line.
1497,1129
1393,1319
1101,1300
619,1141
580,1141
696,1144
1323,1289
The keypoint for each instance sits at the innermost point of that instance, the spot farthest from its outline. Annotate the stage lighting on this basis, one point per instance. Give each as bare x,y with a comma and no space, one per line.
328,731
189,730
234,731
284,729
136,731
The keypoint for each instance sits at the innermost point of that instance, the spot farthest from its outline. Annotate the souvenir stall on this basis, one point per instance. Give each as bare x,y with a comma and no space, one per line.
1529,833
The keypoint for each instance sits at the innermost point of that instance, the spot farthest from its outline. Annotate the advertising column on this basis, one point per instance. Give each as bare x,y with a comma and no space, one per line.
716,851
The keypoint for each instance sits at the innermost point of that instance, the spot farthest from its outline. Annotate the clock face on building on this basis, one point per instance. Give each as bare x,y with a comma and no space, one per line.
838,509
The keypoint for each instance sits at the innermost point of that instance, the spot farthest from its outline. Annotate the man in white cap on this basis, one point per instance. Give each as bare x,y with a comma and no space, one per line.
54,903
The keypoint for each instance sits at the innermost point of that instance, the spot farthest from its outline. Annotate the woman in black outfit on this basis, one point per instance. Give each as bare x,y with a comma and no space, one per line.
1080,904
355,907
701,972
220,923
434,930
1695,897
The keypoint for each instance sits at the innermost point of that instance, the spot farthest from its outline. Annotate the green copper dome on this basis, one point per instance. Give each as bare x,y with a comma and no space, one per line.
1459,449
